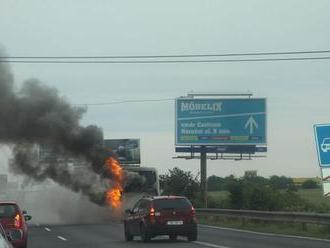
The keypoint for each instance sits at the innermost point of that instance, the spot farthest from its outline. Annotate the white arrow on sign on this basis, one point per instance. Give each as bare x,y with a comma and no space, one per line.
251,123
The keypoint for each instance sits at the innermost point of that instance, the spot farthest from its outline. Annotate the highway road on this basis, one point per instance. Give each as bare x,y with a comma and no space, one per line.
111,235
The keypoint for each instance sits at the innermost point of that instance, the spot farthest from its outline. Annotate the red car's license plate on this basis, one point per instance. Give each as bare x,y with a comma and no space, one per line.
175,223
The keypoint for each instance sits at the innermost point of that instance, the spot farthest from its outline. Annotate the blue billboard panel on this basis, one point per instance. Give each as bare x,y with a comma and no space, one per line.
322,140
243,149
220,121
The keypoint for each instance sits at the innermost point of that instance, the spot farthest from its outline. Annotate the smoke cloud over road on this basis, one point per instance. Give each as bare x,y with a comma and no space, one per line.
37,114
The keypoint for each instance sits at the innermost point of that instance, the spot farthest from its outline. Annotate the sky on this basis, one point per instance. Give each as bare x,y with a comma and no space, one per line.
296,91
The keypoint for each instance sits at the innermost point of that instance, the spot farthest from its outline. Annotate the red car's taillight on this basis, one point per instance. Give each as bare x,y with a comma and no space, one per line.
152,215
18,221
152,212
193,211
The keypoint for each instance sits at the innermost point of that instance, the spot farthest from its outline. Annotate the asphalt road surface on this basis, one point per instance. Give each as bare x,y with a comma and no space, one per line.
111,235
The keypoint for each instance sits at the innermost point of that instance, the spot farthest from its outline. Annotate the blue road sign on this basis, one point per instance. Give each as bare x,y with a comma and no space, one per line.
322,139
220,121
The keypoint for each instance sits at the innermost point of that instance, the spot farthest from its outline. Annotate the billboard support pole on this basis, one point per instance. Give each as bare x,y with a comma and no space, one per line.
204,176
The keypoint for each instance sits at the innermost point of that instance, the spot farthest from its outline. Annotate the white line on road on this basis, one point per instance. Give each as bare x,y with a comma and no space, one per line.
209,244
265,234
61,238
48,229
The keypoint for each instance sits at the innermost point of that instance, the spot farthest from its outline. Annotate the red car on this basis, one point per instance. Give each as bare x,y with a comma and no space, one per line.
161,215
4,241
13,220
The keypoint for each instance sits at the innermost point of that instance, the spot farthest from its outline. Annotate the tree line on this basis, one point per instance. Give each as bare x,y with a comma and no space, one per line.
276,193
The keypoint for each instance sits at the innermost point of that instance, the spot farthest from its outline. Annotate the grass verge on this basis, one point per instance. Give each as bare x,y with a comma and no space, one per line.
305,230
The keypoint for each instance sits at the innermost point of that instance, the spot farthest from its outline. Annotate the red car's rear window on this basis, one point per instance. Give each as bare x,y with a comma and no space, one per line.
8,210
175,203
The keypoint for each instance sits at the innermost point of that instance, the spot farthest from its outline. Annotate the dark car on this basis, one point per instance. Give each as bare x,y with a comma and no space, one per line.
13,220
161,215
4,241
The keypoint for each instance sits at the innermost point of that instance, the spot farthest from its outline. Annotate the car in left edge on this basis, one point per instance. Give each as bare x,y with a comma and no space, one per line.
13,221
4,240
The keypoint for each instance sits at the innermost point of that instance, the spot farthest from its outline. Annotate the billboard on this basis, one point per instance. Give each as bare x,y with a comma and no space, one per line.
126,150
220,121
52,153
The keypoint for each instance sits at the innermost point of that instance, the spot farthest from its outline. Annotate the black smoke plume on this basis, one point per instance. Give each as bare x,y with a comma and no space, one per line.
37,114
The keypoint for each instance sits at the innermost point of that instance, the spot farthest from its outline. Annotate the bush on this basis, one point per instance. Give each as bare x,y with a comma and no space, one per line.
253,196
214,202
235,189
215,183
262,198
179,182
281,182
310,184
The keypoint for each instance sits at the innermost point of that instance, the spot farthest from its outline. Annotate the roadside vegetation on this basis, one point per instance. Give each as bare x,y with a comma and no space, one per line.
277,193
252,192
307,230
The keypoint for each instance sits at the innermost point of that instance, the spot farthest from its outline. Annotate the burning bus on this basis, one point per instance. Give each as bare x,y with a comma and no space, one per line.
130,183
127,180
146,184
136,181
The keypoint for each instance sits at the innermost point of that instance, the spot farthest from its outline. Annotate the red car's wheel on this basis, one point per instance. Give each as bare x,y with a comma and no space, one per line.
145,236
128,235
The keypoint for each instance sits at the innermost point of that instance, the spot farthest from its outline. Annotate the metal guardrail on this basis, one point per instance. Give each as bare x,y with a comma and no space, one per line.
296,217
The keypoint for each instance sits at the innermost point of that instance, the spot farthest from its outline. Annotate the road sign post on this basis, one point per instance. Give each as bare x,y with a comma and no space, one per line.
325,173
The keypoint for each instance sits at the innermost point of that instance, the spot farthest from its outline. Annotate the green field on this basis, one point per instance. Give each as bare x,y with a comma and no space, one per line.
307,230
220,195
312,196
218,199
315,197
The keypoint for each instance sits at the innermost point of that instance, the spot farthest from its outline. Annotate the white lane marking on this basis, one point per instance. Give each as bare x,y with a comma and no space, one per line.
209,244
61,238
265,234
48,229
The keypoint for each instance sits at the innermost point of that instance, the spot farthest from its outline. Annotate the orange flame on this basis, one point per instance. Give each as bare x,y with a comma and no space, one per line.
113,195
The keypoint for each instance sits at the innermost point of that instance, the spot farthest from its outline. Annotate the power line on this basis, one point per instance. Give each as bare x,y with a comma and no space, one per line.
178,58
168,56
125,101
161,61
